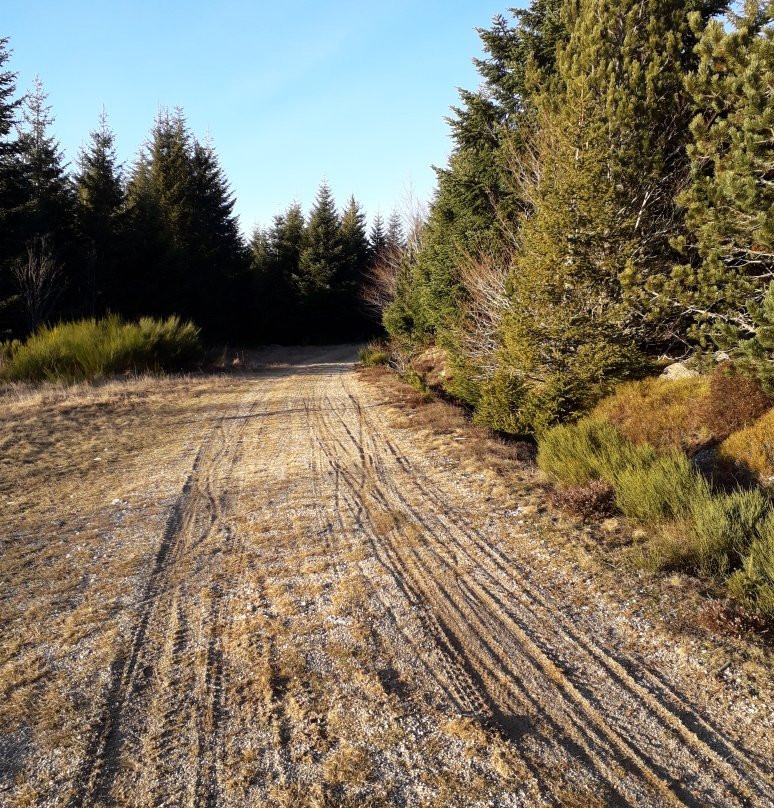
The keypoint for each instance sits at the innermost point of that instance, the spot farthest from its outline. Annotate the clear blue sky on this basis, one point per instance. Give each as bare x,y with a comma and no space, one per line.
291,92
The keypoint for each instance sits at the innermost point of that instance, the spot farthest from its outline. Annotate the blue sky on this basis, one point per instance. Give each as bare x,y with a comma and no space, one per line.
291,92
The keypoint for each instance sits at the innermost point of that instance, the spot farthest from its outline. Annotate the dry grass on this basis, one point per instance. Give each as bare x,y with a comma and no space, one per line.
666,414
753,448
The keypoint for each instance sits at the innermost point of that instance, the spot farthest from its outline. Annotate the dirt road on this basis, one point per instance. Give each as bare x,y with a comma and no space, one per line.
295,604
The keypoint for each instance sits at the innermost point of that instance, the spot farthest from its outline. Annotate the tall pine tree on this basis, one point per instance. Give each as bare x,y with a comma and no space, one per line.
729,203
11,237
100,193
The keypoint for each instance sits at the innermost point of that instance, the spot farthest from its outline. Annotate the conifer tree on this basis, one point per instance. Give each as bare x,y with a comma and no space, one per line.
48,192
729,203
145,286
355,247
355,261
100,194
377,238
47,209
217,256
608,129
396,238
475,193
11,240
320,262
276,258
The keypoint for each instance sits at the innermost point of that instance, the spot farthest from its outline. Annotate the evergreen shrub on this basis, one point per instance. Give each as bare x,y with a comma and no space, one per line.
93,349
753,584
724,528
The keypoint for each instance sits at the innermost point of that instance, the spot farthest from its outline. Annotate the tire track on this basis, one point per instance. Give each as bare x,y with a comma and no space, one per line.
442,519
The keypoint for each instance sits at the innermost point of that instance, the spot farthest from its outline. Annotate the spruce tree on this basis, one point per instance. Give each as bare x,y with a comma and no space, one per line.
276,259
320,263
217,256
100,193
377,238
396,238
355,260
147,286
475,193
47,209
11,239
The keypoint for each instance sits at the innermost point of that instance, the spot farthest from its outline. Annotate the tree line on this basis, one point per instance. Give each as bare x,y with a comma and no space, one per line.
160,237
609,200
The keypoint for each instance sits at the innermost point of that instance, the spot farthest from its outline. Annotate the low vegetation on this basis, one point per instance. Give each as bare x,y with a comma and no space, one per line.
374,354
695,528
96,349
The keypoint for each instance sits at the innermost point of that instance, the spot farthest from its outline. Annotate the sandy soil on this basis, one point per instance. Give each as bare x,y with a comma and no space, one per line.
258,589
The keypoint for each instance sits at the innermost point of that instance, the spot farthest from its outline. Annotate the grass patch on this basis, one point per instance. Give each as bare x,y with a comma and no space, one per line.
718,534
753,584
662,487
725,527
576,454
95,349
374,354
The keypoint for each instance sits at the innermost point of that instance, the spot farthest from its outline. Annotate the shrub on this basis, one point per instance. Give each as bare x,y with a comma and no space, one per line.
725,526
595,498
661,487
499,404
93,349
373,354
666,414
735,401
752,448
754,583
576,454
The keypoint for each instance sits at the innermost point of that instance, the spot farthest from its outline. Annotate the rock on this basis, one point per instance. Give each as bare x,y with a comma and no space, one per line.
721,356
678,370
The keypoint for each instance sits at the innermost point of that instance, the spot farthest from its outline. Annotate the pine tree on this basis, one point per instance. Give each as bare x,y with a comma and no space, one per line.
100,192
276,259
377,238
320,262
355,261
729,203
396,238
11,239
609,131
47,209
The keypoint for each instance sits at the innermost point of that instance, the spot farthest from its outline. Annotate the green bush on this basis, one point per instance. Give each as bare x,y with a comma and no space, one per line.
754,583
576,454
725,527
663,487
499,404
373,354
93,349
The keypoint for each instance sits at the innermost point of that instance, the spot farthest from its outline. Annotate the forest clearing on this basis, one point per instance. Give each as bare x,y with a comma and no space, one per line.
266,587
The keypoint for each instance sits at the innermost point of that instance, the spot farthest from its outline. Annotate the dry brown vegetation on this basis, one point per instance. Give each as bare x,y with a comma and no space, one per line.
290,586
